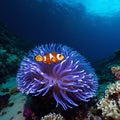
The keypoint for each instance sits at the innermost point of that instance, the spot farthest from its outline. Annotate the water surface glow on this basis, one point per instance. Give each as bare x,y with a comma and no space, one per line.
94,7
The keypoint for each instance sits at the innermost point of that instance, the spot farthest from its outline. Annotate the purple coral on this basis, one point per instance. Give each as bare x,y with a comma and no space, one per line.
70,80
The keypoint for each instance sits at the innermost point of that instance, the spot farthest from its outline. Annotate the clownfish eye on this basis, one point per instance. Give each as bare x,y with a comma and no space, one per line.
38,58
60,57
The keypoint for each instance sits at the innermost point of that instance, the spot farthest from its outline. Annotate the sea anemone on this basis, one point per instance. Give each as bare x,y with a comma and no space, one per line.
70,80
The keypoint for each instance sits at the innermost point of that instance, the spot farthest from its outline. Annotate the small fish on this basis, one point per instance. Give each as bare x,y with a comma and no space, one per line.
49,58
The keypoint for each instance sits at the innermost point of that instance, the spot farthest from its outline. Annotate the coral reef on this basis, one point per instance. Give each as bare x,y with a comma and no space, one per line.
107,63
69,80
110,104
44,108
116,72
103,70
10,54
10,57
88,113
52,116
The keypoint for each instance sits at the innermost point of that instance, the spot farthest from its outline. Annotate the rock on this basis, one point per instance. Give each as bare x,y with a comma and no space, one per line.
10,104
14,91
5,90
4,99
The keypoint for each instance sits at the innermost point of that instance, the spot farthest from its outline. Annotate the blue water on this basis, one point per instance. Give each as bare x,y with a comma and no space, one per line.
89,26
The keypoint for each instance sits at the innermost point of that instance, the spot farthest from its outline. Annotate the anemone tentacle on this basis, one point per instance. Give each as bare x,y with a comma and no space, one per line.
70,80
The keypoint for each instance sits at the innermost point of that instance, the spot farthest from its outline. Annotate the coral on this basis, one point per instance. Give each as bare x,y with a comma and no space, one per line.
110,104
2,51
70,80
28,114
52,116
88,114
116,72
12,59
10,54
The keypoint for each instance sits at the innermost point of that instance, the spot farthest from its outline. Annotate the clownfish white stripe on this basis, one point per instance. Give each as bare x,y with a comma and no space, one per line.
44,58
51,56
58,56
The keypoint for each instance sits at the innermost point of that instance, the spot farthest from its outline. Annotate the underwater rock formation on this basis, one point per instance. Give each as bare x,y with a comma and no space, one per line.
69,80
4,99
10,55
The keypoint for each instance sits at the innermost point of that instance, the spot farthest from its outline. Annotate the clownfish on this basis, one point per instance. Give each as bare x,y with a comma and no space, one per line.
49,58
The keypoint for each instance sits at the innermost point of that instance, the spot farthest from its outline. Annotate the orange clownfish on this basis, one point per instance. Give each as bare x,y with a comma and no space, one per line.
49,58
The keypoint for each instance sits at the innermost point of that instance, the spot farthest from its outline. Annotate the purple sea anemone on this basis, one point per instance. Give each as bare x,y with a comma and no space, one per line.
70,80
